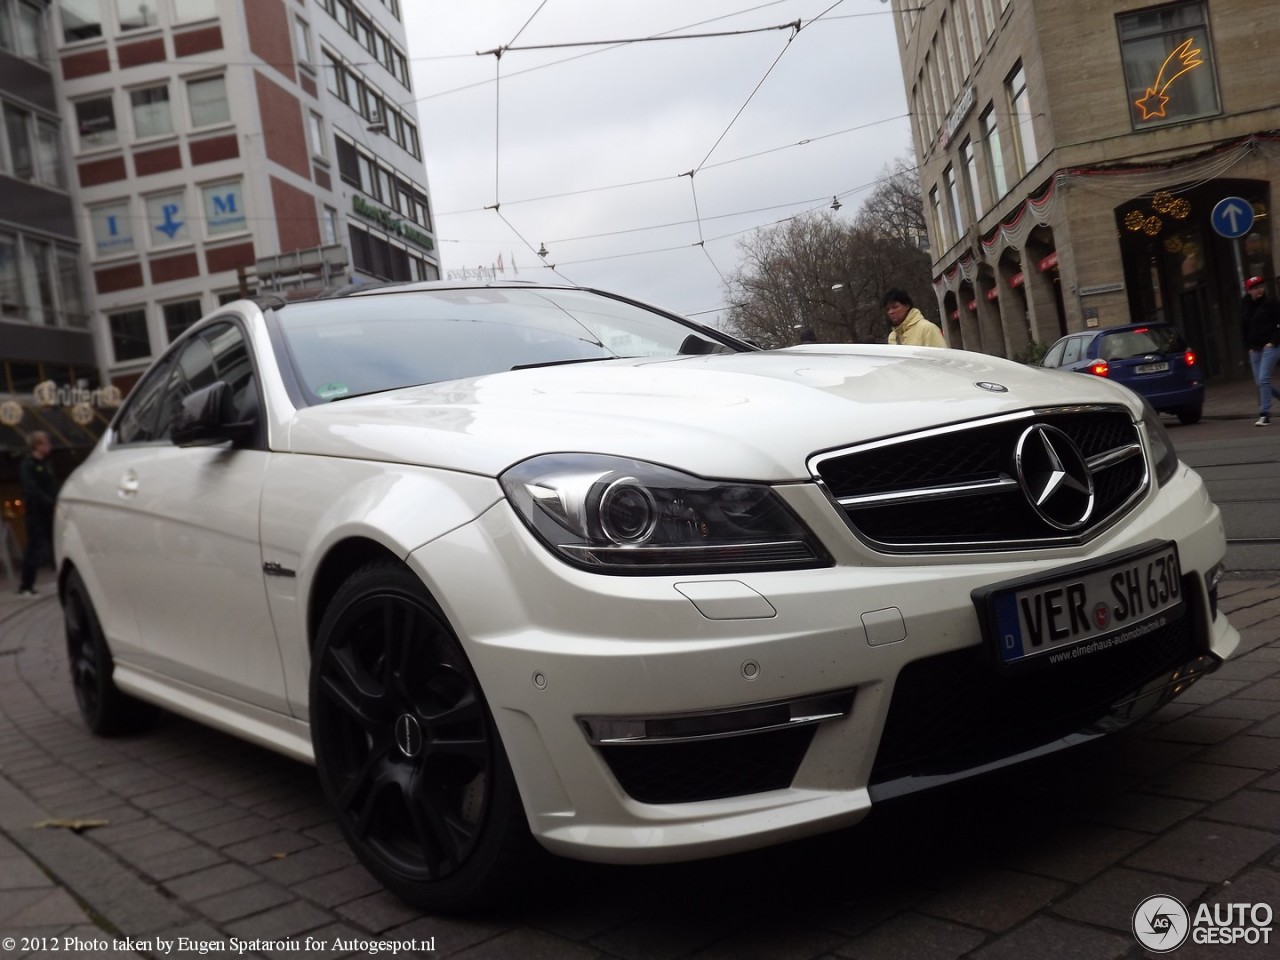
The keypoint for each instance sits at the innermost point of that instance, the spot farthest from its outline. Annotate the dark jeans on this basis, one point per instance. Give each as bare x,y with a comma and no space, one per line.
39,546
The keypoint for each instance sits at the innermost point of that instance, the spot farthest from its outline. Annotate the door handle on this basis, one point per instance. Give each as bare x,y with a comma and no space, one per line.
128,485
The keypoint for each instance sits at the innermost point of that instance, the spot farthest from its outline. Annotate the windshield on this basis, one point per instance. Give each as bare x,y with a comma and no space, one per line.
356,345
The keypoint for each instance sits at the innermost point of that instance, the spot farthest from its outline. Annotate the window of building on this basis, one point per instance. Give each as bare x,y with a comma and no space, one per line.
50,169
335,77
19,159
224,207
184,10
81,19
12,303
969,166
96,122
939,222
70,290
207,98
369,176
955,74
992,18
151,114
995,155
953,199
975,29
423,215
40,255
179,316
940,67
1024,140
329,223
129,337
302,40
167,219
364,32
316,131
137,14
348,161
112,228
361,258
962,44
1168,64
22,28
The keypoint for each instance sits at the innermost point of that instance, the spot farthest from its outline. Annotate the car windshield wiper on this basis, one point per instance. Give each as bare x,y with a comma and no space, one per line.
561,363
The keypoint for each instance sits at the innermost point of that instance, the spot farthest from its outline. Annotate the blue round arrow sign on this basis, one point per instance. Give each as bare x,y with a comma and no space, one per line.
1232,217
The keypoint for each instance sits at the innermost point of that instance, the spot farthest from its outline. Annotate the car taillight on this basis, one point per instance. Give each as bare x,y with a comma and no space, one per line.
1099,368
1190,357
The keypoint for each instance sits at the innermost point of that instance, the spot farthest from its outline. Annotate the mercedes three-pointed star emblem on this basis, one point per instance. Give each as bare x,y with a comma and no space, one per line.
1055,477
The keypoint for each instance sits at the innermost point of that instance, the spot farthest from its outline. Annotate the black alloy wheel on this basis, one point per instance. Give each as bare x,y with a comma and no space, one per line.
406,749
103,707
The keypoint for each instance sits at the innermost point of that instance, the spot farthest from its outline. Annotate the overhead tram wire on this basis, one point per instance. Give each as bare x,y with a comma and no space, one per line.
497,53
589,53
710,166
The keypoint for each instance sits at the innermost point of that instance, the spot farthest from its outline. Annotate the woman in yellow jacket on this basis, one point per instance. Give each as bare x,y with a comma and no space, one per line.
910,328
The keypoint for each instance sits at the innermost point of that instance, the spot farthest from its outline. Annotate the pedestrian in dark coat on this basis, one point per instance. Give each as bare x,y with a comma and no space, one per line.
39,497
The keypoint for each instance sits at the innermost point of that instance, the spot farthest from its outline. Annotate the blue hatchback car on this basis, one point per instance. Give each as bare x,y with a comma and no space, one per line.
1151,359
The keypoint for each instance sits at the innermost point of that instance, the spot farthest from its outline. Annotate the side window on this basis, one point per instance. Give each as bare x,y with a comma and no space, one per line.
218,353
137,422
1073,350
232,365
1054,357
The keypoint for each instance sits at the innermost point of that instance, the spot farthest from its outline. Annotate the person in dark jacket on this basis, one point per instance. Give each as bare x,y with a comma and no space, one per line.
1261,330
39,496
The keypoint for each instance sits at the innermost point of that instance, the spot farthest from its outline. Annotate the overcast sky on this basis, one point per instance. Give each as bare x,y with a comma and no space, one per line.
583,147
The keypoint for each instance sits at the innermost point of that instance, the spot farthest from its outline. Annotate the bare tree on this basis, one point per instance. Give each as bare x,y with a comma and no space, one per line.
820,273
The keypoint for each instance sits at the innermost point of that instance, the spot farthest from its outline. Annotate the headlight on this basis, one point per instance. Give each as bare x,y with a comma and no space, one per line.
1164,459
613,515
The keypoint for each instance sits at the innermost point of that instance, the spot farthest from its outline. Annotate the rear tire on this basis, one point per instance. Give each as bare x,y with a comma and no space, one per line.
105,710
407,752
1191,414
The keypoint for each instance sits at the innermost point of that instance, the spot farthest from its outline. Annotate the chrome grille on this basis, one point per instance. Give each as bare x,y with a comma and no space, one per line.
956,489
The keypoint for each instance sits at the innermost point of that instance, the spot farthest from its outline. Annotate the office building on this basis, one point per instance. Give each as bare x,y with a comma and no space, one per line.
1094,163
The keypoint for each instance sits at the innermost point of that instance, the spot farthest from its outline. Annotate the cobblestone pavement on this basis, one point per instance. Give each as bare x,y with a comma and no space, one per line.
208,839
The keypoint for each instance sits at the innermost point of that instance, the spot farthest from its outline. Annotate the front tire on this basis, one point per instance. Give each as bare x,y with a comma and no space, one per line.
406,749
105,710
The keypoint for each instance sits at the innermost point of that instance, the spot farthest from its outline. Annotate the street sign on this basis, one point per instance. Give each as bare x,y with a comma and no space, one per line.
1232,217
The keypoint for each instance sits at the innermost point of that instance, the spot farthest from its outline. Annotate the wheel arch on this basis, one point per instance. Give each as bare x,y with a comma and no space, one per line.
340,561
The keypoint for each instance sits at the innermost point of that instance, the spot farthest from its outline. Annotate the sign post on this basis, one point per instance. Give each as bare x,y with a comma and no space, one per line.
1232,218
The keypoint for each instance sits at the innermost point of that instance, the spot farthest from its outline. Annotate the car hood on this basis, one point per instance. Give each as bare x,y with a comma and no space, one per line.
746,416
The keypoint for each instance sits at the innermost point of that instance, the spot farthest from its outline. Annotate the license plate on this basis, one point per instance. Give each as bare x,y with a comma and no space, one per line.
1093,608
1152,368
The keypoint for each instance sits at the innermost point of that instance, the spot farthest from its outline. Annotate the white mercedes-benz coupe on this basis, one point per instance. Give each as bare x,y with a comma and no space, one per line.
516,562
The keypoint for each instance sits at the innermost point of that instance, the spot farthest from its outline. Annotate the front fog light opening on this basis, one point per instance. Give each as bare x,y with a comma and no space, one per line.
1211,581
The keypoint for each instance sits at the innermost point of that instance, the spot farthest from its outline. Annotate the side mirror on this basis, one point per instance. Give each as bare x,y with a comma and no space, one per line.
208,416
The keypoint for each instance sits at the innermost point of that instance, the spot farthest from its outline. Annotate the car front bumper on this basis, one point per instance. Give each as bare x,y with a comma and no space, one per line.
664,718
